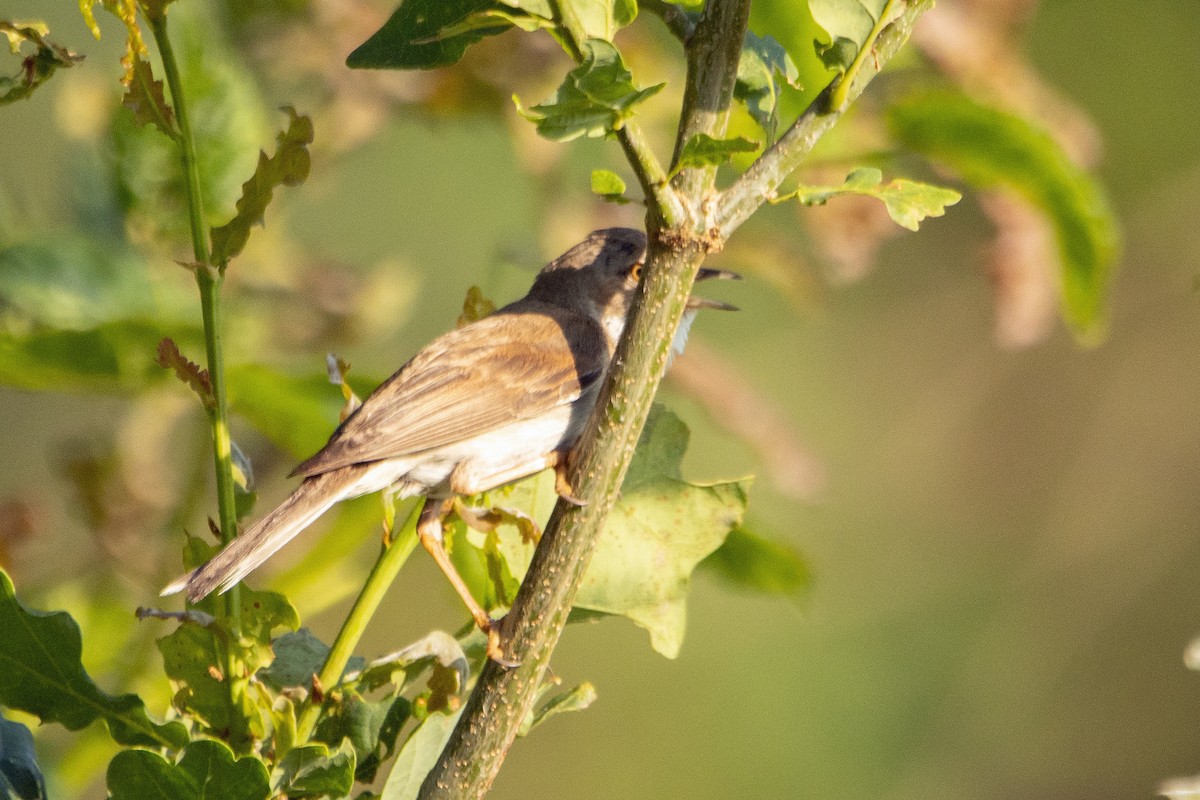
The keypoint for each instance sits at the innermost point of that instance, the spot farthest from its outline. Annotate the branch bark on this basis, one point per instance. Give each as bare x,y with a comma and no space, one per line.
504,696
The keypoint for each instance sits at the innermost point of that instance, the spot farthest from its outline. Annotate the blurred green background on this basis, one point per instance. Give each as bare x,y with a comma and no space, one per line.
1002,539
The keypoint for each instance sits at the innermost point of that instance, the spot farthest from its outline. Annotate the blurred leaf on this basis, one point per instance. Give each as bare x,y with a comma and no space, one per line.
762,62
849,24
371,727
594,100
145,100
20,775
299,655
417,756
412,38
313,769
579,698
288,167
41,674
759,564
609,185
35,69
660,529
703,150
908,202
992,148
475,307
207,771
111,358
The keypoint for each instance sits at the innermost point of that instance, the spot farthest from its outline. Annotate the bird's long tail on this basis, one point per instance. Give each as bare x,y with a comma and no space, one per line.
245,553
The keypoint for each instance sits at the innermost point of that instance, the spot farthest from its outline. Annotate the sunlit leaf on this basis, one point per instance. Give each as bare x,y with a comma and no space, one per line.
849,24
703,150
314,769
764,68
288,167
41,674
594,19
907,202
594,100
207,770
578,699
609,185
37,68
992,148
412,38
417,756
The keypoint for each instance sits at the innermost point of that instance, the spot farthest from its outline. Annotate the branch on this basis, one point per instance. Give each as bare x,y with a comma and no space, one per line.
679,22
765,175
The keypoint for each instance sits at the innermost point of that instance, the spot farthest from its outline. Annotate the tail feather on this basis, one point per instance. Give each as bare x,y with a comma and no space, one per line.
249,550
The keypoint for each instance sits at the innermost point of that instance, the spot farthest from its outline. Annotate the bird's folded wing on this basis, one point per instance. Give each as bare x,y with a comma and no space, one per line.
501,369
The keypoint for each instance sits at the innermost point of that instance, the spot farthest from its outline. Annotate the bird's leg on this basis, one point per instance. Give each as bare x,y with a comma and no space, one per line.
430,532
486,520
560,460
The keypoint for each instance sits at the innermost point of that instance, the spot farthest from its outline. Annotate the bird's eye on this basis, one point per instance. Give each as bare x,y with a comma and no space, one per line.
635,272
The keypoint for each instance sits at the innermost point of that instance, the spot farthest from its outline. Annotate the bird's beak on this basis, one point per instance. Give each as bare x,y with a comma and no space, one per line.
703,302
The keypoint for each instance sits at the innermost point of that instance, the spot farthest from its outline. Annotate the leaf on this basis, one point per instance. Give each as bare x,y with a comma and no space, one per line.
35,69
20,775
299,655
594,100
660,529
762,62
188,372
315,770
475,307
908,202
288,167
594,19
412,36
41,674
990,148
371,727
418,755
703,150
144,98
752,562
111,358
578,699
849,24
206,771
608,184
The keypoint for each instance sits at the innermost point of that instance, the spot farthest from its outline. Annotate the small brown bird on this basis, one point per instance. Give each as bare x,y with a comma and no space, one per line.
487,404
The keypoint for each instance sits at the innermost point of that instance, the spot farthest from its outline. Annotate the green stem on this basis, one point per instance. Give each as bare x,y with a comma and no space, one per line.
209,281
391,559
841,92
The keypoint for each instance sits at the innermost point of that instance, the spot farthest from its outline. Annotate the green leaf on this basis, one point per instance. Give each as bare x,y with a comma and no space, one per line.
579,698
608,185
849,24
111,358
752,562
418,755
412,38
594,100
35,69
371,727
299,655
762,63
703,150
41,674
315,770
145,100
288,167
662,527
908,202
20,775
994,149
594,19
206,771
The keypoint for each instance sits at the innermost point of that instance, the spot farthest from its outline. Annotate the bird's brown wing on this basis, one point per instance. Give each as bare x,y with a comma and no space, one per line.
501,369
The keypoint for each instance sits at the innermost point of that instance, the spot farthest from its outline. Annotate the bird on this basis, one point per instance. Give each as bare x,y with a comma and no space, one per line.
492,402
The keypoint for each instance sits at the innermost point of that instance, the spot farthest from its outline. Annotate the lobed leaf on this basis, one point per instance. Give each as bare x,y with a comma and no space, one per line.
992,148
37,68
594,100
907,202
188,372
145,100
314,769
703,150
41,674
415,36
288,167
207,770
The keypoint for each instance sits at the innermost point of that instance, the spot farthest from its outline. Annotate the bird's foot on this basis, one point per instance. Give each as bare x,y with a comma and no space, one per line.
486,520
496,640
562,485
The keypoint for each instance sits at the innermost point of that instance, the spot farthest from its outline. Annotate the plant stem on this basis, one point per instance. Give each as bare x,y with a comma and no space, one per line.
209,281
391,558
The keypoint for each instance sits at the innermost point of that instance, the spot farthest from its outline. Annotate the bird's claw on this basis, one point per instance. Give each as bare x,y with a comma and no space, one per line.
495,648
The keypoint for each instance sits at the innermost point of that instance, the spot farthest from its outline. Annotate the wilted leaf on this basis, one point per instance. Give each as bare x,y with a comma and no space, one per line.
20,775
762,64
288,167
759,564
703,150
992,148
188,372
206,771
37,68
41,674
907,202
418,755
314,769
144,98
413,37
594,100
